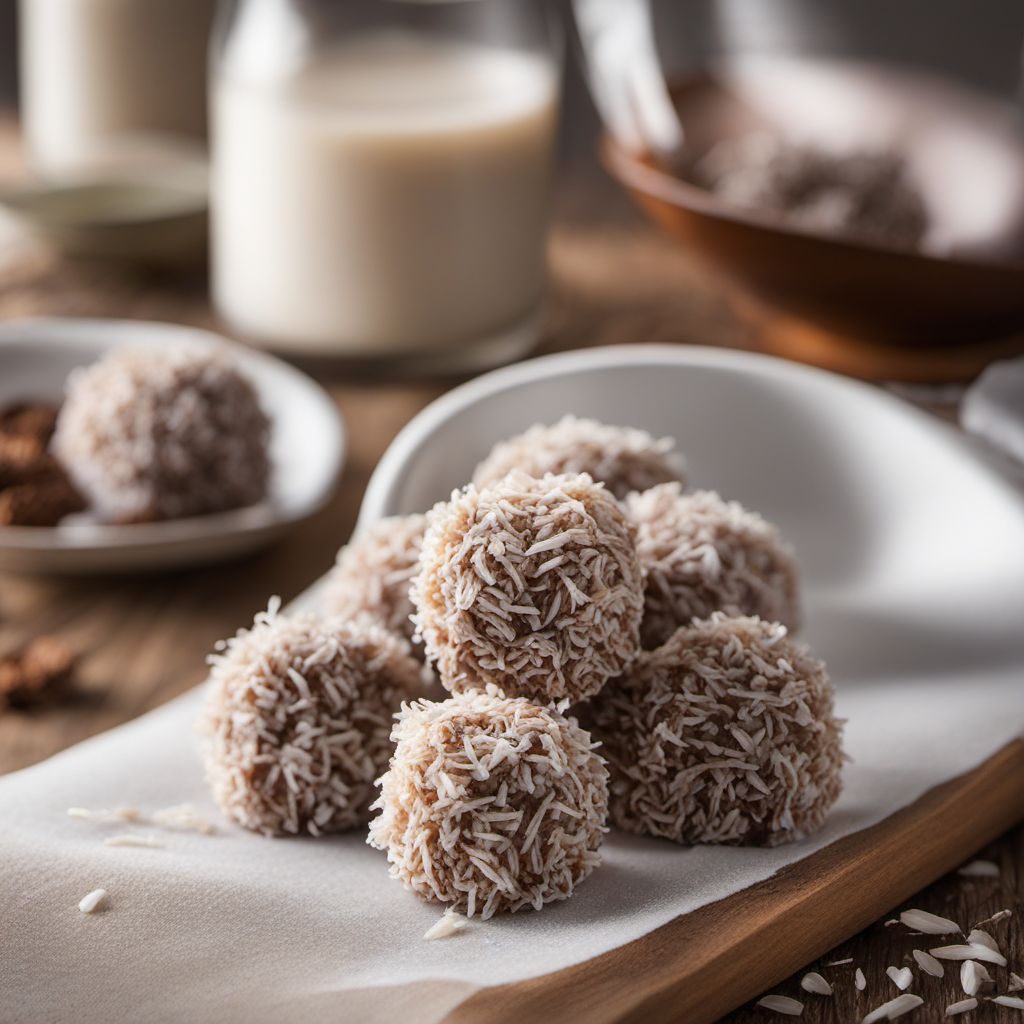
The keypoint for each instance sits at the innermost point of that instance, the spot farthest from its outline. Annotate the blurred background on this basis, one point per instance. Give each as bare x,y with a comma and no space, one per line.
978,41
951,285
838,182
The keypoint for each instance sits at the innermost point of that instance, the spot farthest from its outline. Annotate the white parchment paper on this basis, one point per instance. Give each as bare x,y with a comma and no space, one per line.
233,926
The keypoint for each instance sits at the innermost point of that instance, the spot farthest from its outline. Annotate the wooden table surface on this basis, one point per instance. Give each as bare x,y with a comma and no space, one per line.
143,640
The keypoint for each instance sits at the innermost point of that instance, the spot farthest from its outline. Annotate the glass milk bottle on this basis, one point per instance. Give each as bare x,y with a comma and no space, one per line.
381,177
104,81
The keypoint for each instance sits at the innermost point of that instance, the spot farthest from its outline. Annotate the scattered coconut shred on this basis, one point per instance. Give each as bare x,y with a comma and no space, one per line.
182,818
105,817
623,458
532,585
142,842
971,951
979,869
782,1004
929,924
901,977
814,982
963,1006
490,803
451,923
977,937
894,1008
726,734
298,719
93,901
929,964
973,977
999,915
701,554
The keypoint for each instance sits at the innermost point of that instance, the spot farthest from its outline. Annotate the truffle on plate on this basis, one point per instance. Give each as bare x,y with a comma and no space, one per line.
701,554
373,573
298,720
725,734
490,803
532,585
624,459
150,434
868,194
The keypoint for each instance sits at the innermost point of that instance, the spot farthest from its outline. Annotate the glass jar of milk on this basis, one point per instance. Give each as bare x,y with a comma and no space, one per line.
105,82
381,177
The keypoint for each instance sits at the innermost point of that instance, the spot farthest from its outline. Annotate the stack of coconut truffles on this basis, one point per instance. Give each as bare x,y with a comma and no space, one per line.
615,650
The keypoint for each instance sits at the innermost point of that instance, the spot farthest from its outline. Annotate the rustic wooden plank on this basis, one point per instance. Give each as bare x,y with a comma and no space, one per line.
703,964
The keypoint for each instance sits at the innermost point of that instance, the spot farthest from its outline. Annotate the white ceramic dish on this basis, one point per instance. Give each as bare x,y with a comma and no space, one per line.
913,552
911,545
307,453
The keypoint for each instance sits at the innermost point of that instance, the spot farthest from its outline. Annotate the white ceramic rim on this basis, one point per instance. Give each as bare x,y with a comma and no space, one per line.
378,499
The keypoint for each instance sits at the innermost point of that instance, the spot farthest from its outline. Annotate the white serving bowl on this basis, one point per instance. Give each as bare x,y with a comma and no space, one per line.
307,449
910,543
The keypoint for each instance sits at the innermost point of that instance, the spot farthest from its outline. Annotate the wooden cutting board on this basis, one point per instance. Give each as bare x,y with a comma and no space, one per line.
701,965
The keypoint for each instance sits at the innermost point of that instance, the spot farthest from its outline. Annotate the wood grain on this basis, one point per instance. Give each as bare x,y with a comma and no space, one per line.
143,641
699,966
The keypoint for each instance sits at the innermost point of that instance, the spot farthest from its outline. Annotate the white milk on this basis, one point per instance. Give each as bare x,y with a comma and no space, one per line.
389,198
99,75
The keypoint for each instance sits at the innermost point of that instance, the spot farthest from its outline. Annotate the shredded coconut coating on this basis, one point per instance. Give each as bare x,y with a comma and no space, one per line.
726,734
163,433
531,585
701,554
491,803
866,194
298,720
373,573
624,459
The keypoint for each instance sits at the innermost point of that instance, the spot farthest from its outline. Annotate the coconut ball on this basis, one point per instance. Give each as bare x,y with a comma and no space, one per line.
701,554
163,433
532,585
622,458
491,803
725,734
865,194
373,573
298,720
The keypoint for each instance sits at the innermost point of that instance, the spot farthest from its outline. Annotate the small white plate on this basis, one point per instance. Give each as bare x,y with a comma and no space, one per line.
307,450
910,542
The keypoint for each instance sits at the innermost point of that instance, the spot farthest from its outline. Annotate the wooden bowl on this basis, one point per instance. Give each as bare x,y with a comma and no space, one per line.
961,148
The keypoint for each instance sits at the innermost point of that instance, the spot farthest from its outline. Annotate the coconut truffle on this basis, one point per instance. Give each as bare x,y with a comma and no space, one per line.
373,573
622,458
701,554
725,734
869,195
151,434
298,720
532,585
491,803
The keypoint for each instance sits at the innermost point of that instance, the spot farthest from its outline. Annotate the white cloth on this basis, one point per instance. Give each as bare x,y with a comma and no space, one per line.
993,407
233,926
